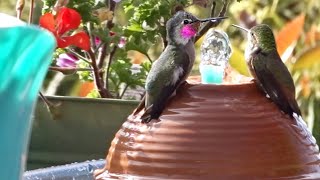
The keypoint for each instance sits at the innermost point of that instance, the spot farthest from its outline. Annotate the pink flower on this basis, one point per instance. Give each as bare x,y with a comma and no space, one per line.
67,60
97,41
122,42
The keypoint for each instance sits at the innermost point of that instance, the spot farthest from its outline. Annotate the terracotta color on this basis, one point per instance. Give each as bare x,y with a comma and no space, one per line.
214,132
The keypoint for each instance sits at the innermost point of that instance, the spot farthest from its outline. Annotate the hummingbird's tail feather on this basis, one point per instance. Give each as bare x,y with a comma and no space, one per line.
302,129
140,106
294,107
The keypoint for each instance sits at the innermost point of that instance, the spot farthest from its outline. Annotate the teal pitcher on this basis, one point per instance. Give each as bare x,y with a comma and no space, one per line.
25,54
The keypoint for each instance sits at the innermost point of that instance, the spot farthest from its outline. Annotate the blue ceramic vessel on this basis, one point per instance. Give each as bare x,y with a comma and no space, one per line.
25,54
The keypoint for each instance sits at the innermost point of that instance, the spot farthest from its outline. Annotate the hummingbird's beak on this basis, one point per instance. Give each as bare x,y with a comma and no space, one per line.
242,28
212,19
196,23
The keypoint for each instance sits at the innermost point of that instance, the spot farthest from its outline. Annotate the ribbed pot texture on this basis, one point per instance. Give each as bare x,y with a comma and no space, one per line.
214,132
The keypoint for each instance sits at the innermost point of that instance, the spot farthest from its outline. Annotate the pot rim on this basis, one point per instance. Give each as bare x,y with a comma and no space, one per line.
97,100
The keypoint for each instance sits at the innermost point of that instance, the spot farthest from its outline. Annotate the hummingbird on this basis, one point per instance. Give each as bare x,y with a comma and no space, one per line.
173,66
268,70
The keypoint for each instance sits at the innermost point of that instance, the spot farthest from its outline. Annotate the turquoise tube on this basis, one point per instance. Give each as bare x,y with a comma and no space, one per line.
25,54
211,74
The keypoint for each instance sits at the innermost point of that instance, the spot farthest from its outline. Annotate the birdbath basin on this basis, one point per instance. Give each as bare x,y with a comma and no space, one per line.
214,132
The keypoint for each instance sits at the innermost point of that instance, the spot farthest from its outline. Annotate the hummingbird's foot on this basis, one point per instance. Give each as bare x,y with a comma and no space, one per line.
149,120
146,121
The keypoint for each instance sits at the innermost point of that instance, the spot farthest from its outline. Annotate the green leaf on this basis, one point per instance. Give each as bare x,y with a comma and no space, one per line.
140,46
128,8
237,61
308,59
93,94
121,74
135,27
84,75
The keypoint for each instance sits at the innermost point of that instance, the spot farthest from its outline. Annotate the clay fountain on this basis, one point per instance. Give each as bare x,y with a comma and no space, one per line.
214,132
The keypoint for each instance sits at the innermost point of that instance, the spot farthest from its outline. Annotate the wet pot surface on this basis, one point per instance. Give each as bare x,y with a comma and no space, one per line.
214,132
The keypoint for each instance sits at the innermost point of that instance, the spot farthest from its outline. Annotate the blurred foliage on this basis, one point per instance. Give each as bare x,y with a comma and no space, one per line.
238,62
147,21
115,72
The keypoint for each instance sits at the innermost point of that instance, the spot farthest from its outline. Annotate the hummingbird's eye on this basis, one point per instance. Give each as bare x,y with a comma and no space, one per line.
186,21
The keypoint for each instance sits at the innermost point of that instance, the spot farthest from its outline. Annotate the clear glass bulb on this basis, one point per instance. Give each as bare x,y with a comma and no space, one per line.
215,53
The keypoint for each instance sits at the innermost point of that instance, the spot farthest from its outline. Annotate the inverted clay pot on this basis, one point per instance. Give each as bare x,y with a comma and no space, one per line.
214,132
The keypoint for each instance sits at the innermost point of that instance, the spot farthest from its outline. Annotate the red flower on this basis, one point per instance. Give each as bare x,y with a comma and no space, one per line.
66,19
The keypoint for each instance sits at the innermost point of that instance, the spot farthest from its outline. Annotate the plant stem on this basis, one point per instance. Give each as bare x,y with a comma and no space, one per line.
102,55
61,69
213,8
112,6
104,93
124,90
19,8
97,63
210,24
92,40
98,47
79,56
31,11
109,65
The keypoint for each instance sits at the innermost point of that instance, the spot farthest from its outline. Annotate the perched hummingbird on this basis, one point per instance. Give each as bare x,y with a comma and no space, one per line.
173,66
268,70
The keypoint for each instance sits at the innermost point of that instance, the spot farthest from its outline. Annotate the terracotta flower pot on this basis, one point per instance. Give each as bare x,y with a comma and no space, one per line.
214,132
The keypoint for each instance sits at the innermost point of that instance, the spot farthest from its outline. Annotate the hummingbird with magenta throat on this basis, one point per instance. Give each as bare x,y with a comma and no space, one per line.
173,66
270,73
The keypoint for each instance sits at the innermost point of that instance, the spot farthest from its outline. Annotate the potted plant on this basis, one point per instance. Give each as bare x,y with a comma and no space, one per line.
82,52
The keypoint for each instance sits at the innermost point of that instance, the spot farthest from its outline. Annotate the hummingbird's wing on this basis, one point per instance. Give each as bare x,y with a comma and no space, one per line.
275,79
167,73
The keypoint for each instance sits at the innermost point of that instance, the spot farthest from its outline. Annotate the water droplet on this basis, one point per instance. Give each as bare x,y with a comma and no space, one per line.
90,168
215,53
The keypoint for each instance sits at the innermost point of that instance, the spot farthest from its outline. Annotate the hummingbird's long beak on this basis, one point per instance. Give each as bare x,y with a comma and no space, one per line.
212,19
242,28
196,23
